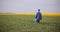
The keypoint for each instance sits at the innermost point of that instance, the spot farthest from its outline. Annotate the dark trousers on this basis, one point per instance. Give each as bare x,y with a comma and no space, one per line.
37,20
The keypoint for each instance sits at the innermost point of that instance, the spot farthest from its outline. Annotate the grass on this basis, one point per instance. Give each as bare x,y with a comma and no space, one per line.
27,24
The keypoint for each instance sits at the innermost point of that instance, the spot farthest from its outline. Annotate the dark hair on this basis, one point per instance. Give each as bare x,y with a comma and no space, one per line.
38,9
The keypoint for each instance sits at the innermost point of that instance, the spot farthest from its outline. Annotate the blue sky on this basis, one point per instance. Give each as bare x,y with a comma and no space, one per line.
29,6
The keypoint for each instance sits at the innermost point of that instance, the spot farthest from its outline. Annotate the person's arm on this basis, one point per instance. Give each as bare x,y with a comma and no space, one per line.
41,16
36,16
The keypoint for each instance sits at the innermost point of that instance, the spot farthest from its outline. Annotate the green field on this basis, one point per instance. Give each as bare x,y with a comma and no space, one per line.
27,24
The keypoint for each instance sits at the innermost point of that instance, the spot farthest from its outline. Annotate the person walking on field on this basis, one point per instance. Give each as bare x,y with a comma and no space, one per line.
38,16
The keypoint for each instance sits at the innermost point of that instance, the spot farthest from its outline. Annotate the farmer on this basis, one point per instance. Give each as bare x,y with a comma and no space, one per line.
38,16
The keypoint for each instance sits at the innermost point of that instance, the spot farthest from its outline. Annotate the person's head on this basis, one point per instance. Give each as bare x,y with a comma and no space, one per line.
38,9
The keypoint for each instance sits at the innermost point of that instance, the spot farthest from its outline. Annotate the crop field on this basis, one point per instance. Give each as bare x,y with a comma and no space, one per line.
27,24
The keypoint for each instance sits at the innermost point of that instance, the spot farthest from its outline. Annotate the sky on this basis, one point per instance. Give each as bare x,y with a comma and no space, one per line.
29,6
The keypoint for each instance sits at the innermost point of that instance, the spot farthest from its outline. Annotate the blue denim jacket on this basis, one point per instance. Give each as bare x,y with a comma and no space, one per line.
38,16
